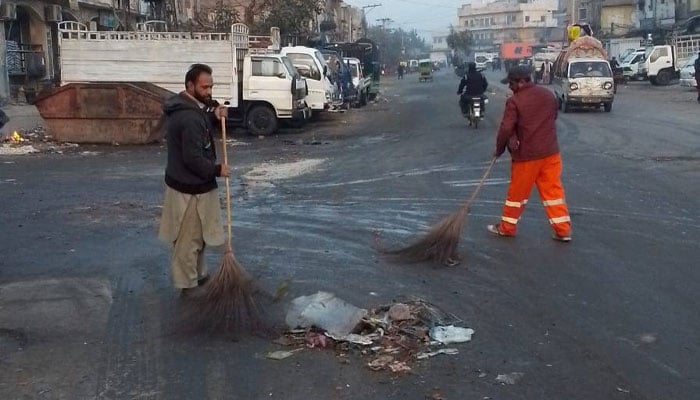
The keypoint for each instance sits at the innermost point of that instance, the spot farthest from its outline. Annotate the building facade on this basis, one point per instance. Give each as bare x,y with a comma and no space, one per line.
617,18
341,22
29,37
502,21
440,50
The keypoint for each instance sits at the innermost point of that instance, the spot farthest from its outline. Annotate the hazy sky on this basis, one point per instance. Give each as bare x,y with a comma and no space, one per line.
427,16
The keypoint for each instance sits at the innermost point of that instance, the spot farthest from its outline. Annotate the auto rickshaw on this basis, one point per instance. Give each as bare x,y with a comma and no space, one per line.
425,70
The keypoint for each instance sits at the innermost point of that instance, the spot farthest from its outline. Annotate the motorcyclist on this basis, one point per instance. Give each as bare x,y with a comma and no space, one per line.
473,84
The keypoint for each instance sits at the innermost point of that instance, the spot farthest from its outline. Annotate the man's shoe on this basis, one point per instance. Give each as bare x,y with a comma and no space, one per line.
452,262
565,239
496,231
188,293
202,281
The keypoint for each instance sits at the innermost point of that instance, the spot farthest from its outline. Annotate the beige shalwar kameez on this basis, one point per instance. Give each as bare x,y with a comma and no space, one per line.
189,223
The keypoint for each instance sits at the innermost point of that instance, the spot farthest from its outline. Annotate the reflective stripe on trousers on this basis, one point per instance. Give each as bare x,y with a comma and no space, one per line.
545,174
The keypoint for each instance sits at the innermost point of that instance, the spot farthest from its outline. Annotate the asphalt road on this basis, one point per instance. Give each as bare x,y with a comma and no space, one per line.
86,305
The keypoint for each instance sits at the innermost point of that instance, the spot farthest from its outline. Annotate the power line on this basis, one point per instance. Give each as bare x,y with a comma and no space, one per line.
432,5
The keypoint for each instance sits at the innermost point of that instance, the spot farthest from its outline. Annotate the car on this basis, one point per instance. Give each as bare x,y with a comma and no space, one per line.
688,73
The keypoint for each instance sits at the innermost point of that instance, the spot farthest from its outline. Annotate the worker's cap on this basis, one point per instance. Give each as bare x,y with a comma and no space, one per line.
516,74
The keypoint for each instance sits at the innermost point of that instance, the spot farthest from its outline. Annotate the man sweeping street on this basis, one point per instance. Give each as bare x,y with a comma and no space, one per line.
191,217
528,130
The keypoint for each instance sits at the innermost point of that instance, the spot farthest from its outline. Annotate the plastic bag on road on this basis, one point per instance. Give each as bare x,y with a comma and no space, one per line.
510,379
451,334
325,311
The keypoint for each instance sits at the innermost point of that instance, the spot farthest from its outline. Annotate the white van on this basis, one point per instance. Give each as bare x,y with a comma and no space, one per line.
584,82
312,66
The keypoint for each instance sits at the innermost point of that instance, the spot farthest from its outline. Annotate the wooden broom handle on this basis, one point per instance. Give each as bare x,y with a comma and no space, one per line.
228,184
481,183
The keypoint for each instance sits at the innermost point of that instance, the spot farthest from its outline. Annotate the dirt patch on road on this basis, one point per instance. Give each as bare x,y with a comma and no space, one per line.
270,171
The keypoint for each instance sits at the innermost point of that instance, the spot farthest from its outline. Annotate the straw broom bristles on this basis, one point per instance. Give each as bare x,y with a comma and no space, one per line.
441,242
227,302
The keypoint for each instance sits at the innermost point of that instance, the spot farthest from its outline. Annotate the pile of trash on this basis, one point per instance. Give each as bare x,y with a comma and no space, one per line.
391,337
15,144
33,141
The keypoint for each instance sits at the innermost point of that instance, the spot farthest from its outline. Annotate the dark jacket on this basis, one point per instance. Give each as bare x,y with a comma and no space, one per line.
3,119
475,84
528,127
192,166
697,68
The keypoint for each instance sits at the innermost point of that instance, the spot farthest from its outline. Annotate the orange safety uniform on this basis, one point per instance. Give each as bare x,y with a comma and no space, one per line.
528,131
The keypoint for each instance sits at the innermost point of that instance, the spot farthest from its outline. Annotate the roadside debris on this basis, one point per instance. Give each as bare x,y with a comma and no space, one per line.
12,150
325,311
390,336
281,355
33,141
399,366
380,363
510,379
424,355
451,334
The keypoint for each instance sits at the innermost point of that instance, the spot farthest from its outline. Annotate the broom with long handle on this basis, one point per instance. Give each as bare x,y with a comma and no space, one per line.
442,240
228,300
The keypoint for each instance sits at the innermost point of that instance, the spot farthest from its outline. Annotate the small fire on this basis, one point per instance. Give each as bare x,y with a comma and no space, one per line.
16,137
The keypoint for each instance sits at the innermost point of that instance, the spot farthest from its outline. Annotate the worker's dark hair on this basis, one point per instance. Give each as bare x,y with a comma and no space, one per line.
195,71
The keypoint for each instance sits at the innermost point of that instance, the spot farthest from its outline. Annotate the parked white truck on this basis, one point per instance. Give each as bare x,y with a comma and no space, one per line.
260,86
622,47
312,66
663,63
630,63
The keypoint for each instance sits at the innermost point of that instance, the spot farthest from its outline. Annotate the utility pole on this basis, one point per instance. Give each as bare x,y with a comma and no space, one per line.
371,7
364,14
384,21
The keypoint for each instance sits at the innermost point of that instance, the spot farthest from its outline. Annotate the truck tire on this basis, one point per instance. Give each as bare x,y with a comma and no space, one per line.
652,80
664,78
261,121
298,123
372,96
607,107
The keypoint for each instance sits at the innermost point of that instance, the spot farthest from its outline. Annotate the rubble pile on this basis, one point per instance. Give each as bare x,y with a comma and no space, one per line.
390,337
36,140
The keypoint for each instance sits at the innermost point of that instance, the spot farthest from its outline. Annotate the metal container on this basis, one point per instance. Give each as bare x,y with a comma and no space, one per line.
104,112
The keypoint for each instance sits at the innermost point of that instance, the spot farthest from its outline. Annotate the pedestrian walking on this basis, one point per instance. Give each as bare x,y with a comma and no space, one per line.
191,218
528,130
697,75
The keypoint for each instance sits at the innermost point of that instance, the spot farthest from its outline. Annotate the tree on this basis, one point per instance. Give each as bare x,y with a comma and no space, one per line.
459,41
293,17
224,16
397,45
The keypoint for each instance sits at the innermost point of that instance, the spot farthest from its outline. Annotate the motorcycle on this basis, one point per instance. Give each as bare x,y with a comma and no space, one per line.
475,112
